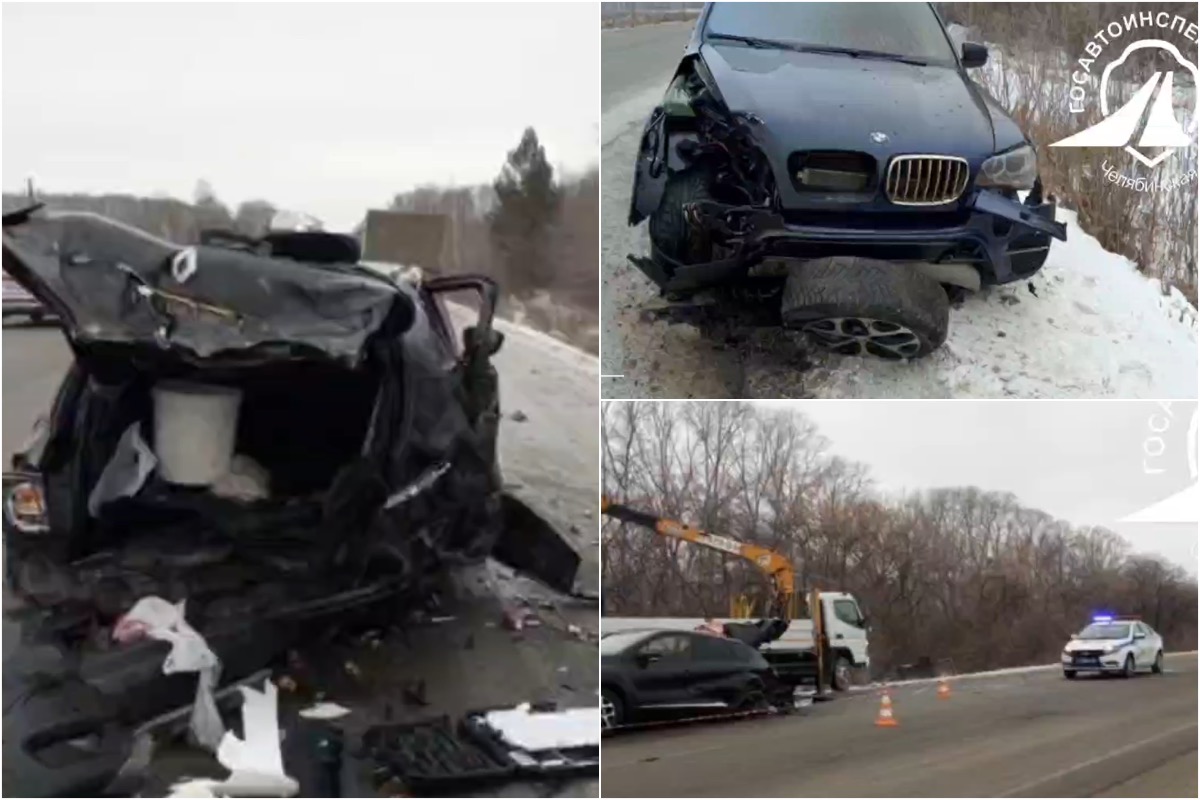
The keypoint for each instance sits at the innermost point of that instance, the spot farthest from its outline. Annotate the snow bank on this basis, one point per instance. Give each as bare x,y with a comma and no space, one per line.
1091,326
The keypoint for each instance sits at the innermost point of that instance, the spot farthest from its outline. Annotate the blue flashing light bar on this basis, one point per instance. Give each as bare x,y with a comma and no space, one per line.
1102,618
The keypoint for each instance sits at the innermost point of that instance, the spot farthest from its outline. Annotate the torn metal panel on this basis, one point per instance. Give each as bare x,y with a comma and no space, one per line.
114,285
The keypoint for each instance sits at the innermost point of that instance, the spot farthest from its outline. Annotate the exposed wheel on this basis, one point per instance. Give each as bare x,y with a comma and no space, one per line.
1069,674
670,230
1157,669
840,679
612,709
753,698
1129,668
860,306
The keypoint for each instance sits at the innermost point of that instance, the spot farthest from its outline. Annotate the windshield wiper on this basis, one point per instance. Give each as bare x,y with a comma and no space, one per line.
754,41
855,53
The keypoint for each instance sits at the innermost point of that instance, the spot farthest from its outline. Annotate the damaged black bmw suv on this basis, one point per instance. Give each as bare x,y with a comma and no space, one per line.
832,168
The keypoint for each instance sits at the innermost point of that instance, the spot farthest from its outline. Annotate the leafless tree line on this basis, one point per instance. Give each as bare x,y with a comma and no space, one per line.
959,573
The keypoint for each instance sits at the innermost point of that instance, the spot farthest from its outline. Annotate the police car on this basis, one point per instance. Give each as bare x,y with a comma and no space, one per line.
1114,645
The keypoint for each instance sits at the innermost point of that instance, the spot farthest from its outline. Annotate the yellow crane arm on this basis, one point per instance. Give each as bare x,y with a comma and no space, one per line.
777,568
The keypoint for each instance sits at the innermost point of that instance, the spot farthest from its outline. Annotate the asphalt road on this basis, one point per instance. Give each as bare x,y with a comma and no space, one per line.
467,660
1018,735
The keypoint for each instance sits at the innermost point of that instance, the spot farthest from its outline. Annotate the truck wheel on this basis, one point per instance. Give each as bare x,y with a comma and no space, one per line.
860,306
612,709
1157,669
1129,668
670,231
840,679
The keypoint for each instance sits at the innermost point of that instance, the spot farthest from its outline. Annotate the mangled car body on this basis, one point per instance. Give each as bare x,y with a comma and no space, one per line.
832,168
373,436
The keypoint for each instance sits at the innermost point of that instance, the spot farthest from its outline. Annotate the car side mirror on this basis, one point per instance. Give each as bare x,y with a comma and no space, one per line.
646,659
1139,636
974,55
1074,636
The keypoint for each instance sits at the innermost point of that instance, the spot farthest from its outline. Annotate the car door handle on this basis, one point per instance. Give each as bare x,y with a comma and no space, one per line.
838,636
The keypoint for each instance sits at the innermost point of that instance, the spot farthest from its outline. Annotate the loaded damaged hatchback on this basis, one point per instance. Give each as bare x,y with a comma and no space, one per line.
833,168
250,443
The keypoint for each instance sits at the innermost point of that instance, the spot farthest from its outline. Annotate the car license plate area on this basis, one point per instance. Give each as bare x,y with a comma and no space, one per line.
1087,661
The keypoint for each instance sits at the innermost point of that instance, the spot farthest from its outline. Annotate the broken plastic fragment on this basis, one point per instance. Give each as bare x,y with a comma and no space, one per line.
324,711
546,730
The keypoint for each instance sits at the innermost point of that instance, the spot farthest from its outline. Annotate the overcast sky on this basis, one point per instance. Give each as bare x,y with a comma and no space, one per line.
326,108
1081,461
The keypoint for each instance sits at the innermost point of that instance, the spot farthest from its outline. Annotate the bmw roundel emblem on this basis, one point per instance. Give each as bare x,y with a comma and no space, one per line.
879,137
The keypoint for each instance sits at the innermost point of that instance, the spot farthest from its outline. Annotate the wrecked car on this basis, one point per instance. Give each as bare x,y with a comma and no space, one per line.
832,168
267,438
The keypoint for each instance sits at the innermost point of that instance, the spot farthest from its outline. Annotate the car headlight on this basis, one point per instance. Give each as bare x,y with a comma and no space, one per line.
1112,648
1016,169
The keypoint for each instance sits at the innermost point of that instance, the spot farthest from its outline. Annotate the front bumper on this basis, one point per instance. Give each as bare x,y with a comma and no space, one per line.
1107,662
1004,239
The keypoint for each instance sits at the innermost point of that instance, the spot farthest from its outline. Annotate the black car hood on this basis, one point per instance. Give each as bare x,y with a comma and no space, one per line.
814,101
113,285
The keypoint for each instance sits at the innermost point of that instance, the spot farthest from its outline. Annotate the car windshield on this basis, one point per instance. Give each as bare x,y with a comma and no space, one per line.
1105,630
616,642
907,30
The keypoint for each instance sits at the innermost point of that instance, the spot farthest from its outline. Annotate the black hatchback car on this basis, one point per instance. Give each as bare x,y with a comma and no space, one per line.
834,168
644,673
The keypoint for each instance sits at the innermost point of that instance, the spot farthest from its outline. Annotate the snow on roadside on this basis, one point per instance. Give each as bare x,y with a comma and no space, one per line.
991,673
1096,327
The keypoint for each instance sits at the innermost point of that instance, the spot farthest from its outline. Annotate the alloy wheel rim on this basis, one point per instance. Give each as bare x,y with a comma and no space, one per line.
857,336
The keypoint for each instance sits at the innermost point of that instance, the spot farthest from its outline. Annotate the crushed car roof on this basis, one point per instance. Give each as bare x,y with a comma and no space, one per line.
114,284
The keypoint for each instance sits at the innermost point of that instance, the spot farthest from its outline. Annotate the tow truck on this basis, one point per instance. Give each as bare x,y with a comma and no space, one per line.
812,638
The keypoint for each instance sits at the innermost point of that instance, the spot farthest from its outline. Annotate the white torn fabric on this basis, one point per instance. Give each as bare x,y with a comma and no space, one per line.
547,730
126,472
324,711
246,480
255,762
159,619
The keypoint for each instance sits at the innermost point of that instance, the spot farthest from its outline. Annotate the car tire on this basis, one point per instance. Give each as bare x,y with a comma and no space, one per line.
752,698
1069,674
840,678
861,306
1129,668
612,709
670,231
1157,667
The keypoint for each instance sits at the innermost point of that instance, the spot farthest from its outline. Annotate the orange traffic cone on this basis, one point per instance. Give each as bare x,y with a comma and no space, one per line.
943,690
886,718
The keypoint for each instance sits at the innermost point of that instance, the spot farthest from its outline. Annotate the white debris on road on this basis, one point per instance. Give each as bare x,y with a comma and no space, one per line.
159,619
547,730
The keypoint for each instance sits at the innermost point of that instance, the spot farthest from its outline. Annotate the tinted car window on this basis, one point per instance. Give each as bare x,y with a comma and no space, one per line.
671,648
903,29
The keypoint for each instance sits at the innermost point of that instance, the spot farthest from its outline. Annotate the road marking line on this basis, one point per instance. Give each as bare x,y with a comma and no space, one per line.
1093,761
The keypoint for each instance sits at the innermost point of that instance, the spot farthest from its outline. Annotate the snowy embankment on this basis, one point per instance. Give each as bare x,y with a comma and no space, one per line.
1087,325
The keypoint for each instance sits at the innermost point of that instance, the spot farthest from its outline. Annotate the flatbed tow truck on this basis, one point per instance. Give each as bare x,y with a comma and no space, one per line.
815,638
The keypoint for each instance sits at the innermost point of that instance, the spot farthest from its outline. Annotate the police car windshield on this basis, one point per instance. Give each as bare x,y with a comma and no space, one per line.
1105,630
